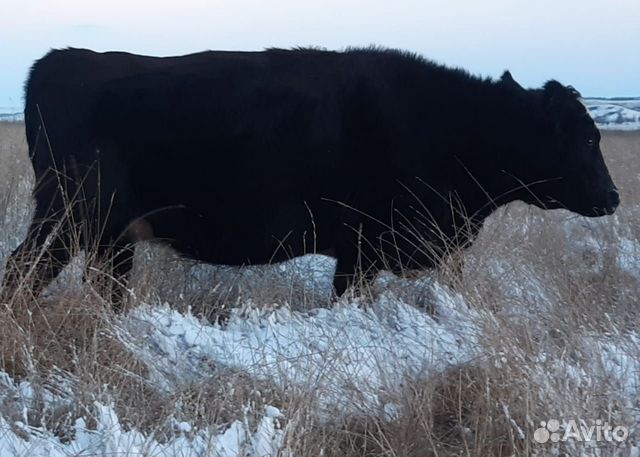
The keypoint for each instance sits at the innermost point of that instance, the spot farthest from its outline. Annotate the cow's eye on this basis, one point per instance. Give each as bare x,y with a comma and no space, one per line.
590,142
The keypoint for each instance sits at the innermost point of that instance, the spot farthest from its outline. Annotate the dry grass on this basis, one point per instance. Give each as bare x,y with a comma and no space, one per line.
548,283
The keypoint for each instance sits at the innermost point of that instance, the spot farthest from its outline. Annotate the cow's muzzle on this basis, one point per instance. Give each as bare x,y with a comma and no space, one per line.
609,206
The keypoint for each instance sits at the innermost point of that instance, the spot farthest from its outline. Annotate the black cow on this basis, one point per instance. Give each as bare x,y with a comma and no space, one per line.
378,156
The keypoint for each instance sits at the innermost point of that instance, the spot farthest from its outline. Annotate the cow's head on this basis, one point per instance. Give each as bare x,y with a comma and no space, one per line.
567,166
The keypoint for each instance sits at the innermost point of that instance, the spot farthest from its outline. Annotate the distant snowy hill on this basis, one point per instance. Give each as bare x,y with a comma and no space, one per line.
615,113
609,113
11,116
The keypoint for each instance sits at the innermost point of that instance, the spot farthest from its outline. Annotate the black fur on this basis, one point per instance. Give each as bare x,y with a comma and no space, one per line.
249,157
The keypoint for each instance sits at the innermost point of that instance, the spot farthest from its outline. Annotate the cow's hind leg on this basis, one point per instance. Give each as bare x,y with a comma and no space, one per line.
57,232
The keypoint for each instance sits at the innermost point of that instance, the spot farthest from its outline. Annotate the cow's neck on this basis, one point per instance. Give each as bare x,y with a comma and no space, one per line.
486,183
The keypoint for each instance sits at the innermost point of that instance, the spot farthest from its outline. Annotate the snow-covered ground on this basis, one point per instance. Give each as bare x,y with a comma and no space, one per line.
615,114
373,347
11,116
351,357
107,437
11,113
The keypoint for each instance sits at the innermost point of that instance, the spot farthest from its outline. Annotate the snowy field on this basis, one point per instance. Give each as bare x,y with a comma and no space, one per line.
541,327
615,114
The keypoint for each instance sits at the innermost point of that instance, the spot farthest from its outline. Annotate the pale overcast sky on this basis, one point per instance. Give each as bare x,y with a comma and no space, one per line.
591,44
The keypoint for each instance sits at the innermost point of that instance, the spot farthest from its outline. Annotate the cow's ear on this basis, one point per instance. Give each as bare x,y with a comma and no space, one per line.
510,83
554,98
555,93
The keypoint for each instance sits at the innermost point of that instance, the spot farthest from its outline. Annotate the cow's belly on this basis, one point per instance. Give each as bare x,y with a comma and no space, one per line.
242,234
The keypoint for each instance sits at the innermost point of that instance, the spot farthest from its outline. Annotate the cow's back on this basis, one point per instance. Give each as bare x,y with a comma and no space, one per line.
208,146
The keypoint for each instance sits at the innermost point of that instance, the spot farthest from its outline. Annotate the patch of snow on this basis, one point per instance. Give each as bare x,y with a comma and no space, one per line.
327,351
629,256
108,437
